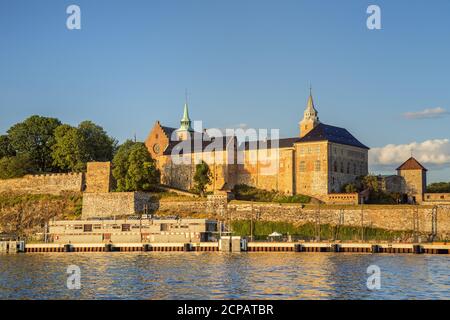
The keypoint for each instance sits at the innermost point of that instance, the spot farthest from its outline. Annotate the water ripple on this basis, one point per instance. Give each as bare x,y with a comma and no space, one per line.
223,276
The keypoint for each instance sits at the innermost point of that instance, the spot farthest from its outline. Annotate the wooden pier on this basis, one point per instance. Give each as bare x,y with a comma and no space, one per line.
392,248
349,247
122,247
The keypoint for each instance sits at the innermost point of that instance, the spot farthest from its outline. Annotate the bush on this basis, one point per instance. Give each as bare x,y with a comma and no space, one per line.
248,193
261,229
439,187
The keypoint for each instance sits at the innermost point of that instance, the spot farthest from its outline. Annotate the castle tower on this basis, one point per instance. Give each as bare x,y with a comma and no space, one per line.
185,130
310,118
415,179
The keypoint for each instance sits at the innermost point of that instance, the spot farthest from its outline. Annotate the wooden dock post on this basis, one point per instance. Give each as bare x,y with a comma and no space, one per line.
335,247
417,249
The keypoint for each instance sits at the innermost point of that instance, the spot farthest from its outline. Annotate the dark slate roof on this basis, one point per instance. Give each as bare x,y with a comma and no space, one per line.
282,143
411,164
325,132
168,131
222,143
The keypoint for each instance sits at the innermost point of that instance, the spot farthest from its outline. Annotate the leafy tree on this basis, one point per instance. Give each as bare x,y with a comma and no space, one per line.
100,147
70,149
202,178
6,149
74,147
134,169
350,188
439,187
371,182
120,164
14,167
34,138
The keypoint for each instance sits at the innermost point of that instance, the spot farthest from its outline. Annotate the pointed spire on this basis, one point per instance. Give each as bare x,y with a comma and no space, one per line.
310,104
185,121
310,116
186,113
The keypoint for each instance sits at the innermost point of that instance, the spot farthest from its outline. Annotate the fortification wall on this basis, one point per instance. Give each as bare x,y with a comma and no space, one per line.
44,184
99,177
103,205
400,218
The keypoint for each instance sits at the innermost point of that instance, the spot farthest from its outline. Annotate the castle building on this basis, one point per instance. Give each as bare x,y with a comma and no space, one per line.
414,179
321,160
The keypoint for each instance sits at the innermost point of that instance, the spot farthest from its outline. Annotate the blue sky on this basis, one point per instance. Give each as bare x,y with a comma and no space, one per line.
243,62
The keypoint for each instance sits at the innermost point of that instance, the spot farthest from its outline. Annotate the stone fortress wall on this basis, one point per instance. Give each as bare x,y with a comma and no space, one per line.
397,218
106,205
54,183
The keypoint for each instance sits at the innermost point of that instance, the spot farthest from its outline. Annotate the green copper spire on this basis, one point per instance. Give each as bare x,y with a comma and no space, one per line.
185,122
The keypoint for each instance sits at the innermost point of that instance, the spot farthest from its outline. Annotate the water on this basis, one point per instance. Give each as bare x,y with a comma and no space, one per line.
165,275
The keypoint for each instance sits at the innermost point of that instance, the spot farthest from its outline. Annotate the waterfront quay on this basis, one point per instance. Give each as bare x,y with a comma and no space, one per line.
235,244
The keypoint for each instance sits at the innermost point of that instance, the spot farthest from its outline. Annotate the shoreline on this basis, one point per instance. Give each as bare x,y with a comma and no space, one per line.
378,248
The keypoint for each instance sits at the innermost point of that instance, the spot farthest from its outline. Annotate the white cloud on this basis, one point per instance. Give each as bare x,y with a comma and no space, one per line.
427,114
430,152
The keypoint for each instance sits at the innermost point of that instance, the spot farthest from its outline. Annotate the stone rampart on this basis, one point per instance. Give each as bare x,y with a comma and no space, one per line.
52,183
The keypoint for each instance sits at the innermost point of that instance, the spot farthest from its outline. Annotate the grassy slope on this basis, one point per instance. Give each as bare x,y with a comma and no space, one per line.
24,214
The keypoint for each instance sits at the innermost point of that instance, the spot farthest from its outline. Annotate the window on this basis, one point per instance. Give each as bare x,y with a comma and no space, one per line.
317,165
125,227
87,228
302,167
335,168
342,167
348,167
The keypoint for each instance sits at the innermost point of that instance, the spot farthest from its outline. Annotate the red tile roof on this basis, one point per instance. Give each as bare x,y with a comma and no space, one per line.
411,164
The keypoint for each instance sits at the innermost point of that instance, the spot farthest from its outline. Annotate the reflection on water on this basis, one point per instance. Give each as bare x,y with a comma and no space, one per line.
223,276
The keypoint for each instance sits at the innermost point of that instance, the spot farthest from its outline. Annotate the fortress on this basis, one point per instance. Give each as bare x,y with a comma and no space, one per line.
318,162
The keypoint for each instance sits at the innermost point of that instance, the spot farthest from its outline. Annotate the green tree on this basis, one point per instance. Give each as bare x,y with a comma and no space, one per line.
6,149
371,182
100,147
74,147
34,139
70,149
134,169
120,164
350,188
202,178
439,187
14,167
